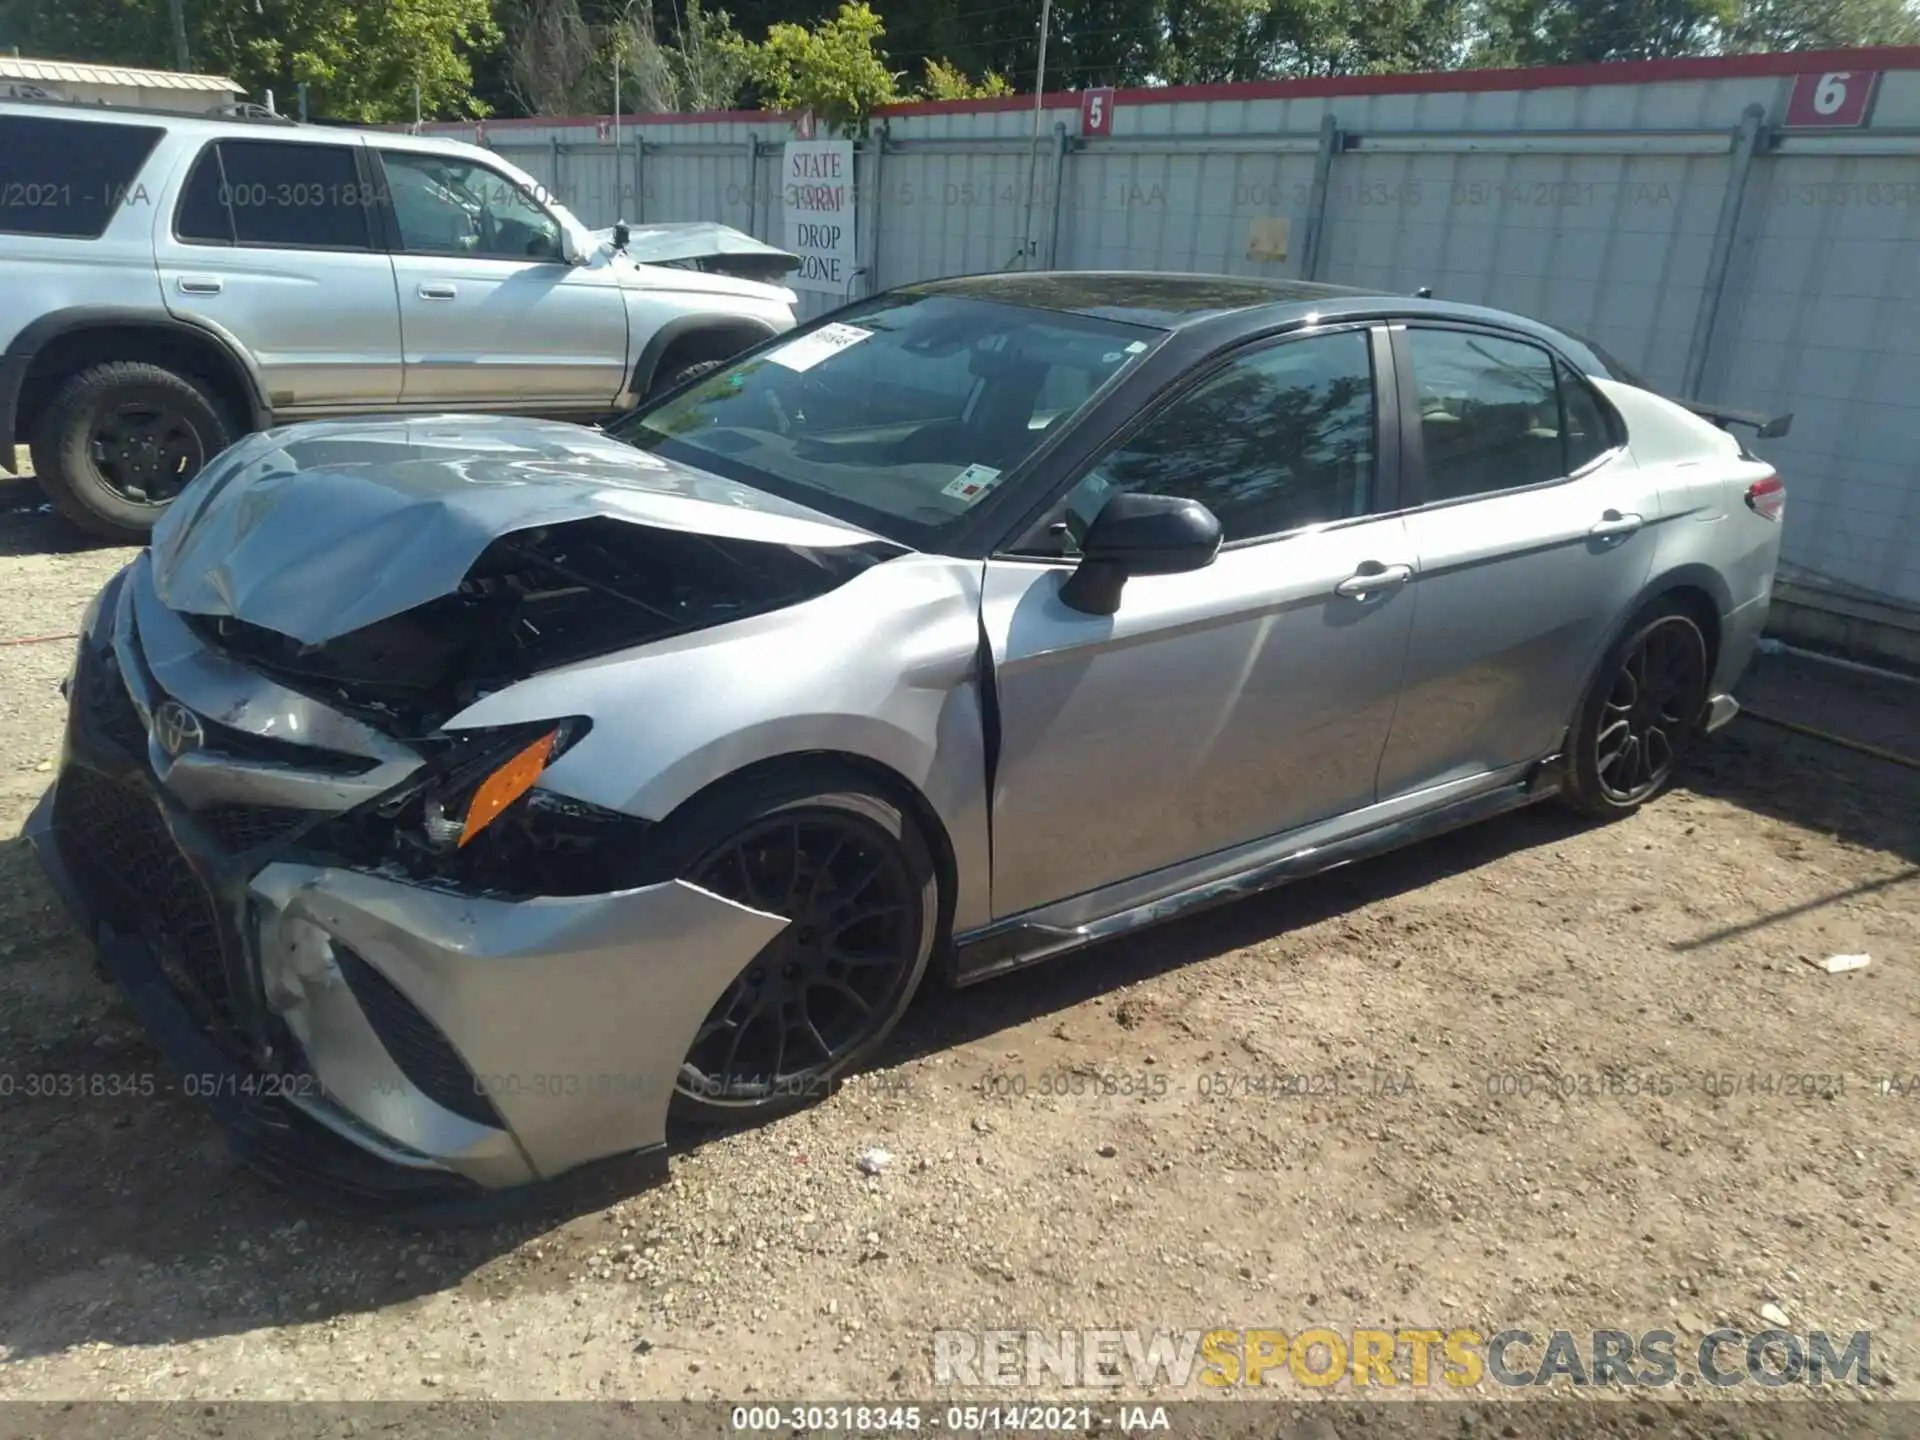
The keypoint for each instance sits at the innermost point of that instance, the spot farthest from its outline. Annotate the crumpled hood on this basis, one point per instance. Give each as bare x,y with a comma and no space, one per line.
317,530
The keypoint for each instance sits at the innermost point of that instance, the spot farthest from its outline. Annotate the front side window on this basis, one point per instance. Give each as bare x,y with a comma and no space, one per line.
448,205
902,414
1273,441
275,194
1489,413
68,177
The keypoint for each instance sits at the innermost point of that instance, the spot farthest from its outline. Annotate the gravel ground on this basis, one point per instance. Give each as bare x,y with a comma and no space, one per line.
1573,1103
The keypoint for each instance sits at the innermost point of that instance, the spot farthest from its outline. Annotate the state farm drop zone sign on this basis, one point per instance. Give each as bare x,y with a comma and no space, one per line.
816,193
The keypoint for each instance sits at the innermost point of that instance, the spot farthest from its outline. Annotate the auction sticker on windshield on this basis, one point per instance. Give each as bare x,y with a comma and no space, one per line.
971,483
824,343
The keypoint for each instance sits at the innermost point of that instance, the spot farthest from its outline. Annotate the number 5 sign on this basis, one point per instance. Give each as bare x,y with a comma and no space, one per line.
1096,112
1839,97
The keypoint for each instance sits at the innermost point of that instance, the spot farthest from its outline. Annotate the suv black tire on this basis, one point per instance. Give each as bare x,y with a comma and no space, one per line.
697,844
63,444
1642,712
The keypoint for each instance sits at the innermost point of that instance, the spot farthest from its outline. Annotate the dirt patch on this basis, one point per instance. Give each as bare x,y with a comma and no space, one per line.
1535,1075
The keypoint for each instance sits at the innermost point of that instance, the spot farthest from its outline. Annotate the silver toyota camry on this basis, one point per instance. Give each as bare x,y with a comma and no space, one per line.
465,796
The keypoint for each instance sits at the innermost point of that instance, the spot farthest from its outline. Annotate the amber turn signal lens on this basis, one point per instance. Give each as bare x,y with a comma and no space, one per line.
507,784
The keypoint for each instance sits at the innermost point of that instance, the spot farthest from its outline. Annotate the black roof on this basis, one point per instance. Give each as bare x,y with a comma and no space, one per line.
1139,297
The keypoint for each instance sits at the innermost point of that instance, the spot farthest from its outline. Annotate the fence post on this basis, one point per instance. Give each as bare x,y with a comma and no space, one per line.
879,144
753,180
553,169
1062,147
1747,142
639,175
1330,142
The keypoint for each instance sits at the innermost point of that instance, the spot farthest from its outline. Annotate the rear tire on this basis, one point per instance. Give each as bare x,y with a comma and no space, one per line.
117,443
1641,714
851,869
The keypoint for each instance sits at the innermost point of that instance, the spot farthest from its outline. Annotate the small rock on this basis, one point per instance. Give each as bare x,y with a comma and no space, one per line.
872,1162
1106,1150
1774,1316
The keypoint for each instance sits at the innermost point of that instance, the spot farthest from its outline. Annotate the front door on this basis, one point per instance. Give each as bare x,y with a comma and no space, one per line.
1536,535
491,312
272,242
1235,702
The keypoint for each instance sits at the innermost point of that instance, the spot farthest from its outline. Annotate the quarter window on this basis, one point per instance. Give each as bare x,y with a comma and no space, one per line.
1497,414
446,205
1271,442
270,193
68,177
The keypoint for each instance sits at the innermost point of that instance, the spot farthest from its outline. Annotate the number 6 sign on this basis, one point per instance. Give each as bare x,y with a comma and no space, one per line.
1838,97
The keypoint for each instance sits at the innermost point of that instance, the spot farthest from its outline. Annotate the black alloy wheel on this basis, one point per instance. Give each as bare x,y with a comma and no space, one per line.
1652,707
831,983
146,449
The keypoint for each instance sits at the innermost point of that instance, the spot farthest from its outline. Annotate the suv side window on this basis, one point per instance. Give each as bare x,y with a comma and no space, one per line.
1273,440
68,177
447,205
1490,414
271,193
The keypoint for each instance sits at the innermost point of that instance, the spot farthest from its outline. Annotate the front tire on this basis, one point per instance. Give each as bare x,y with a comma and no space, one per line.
850,869
119,441
1641,714
682,375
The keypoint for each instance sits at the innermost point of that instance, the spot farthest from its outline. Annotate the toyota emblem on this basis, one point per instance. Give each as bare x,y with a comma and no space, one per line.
177,729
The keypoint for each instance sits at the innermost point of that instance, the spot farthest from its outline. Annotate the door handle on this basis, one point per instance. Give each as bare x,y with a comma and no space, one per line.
441,291
1613,525
1373,579
198,285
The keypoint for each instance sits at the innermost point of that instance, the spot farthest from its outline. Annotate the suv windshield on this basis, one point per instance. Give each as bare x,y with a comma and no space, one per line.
901,414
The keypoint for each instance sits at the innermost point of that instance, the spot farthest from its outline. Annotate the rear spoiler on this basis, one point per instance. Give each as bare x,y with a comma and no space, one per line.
1763,427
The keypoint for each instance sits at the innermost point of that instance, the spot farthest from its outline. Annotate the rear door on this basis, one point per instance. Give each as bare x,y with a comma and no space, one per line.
491,312
1234,702
1534,531
272,242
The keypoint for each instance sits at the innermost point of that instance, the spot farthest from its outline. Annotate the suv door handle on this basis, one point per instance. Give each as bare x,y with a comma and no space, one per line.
1614,525
1373,579
440,291
198,285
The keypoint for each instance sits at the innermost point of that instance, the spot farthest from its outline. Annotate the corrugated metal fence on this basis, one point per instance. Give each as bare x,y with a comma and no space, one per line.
1666,212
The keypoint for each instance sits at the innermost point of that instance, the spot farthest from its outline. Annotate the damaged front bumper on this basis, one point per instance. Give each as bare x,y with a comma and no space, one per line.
400,1040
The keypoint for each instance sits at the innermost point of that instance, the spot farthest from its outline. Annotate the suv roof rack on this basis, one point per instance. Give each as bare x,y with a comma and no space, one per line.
244,112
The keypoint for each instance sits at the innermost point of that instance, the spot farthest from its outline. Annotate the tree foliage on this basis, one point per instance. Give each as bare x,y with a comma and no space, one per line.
361,61
362,58
836,68
950,82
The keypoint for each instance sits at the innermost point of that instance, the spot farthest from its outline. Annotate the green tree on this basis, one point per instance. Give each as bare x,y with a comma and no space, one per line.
950,82
836,69
1569,32
361,61
1773,25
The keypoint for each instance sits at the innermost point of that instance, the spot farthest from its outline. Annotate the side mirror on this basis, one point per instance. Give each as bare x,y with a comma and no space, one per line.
1139,535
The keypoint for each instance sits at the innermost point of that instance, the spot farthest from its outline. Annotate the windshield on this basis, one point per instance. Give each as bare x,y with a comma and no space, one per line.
901,414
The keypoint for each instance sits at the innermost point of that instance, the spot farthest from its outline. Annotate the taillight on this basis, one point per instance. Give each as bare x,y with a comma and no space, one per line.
1767,497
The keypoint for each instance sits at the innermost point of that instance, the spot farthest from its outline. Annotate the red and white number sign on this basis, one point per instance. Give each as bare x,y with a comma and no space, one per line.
1096,112
1838,97
604,131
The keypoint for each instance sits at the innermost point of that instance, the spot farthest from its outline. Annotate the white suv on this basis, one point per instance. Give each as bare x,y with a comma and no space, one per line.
172,282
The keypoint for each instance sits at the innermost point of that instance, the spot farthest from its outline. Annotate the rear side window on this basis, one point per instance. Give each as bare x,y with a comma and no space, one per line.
1489,413
68,177
271,193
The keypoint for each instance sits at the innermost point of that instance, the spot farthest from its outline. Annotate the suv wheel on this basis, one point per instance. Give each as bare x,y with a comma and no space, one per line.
119,441
682,375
